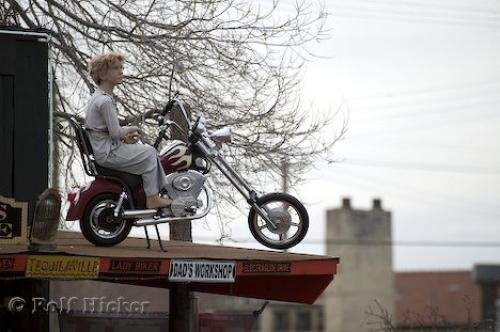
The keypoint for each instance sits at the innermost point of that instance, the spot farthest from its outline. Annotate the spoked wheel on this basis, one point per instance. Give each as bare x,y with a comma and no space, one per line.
289,216
99,225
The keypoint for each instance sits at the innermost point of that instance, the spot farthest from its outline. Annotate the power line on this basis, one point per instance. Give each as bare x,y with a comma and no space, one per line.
349,13
434,89
462,203
432,111
424,167
436,17
443,104
479,211
437,101
419,243
425,145
429,111
427,6
408,243
434,125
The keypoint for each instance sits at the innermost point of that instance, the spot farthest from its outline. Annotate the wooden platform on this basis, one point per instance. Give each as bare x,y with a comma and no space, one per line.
255,273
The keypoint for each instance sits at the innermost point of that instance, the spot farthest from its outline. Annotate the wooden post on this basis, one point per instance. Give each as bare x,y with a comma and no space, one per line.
284,174
180,303
284,184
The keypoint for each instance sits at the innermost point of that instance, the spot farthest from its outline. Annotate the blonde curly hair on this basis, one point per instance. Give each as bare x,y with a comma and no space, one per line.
100,64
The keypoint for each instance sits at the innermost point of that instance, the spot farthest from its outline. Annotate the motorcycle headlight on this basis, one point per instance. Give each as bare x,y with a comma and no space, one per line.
199,126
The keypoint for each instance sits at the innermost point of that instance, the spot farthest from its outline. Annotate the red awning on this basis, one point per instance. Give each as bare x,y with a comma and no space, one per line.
206,268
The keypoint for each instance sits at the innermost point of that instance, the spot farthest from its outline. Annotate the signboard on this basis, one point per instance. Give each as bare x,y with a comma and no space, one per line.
267,267
13,221
74,267
201,271
139,266
7,263
12,264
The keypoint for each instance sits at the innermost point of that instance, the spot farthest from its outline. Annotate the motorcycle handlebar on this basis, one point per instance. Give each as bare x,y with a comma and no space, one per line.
195,125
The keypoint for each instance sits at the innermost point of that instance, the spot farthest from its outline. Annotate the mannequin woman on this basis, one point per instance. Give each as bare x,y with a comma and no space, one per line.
114,146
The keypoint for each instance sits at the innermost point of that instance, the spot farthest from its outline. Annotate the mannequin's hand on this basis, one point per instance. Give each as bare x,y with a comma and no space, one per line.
132,137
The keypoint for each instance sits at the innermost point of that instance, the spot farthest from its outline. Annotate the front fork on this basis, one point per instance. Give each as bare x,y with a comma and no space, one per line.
236,180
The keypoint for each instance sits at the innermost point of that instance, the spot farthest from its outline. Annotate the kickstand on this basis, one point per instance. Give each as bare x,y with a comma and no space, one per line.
147,237
160,242
159,239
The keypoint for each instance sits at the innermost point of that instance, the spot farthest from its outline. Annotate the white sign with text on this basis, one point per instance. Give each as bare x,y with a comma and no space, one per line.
201,271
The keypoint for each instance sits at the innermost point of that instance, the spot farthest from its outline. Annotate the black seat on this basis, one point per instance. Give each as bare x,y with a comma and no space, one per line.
132,181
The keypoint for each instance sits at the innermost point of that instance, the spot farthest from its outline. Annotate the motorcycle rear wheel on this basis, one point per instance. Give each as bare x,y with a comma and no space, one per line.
98,224
288,213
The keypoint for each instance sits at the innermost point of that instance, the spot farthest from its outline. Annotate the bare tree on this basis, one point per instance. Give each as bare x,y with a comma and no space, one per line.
379,319
242,65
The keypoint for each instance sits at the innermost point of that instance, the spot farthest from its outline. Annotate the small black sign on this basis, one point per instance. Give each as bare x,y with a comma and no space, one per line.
13,221
134,265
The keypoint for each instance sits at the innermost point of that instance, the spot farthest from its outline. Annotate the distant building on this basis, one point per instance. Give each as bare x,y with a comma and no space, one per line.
488,279
284,317
424,301
445,299
362,240
275,316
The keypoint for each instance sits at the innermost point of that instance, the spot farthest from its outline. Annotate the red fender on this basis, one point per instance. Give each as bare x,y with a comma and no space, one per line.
79,200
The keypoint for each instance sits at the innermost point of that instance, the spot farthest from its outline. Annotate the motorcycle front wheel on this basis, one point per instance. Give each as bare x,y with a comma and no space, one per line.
288,214
99,226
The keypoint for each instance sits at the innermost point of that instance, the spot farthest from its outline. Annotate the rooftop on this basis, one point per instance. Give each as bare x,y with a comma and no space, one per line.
257,273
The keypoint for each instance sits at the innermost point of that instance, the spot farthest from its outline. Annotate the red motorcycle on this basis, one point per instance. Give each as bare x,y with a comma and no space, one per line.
114,202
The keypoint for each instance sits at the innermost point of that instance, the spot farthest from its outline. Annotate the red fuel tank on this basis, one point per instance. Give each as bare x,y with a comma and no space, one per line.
176,156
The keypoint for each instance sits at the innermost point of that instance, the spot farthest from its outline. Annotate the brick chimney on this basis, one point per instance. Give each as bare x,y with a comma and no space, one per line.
377,204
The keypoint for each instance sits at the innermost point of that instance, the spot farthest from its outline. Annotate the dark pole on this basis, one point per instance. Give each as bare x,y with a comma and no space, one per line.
30,316
488,299
55,145
180,308
284,174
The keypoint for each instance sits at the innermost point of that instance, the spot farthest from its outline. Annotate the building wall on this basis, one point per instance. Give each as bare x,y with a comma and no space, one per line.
275,316
451,295
290,317
24,115
88,292
365,277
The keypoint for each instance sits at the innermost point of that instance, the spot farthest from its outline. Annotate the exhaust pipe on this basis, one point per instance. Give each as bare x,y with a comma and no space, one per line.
132,214
148,222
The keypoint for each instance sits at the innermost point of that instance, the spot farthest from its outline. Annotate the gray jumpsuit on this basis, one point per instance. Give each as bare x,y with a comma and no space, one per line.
105,134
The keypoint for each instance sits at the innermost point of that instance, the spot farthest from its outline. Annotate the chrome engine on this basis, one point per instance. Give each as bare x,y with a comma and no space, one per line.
183,188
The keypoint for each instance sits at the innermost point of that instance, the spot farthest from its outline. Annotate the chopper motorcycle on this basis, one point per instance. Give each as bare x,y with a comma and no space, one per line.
114,202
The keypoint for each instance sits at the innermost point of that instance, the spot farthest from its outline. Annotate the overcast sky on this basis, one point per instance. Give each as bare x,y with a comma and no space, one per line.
420,82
